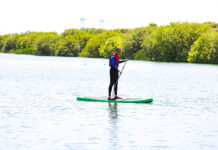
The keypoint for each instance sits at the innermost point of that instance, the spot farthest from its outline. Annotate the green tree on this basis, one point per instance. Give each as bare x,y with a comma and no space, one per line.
124,31
22,42
109,46
2,38
32,38
147,52
72,32
68,46
92,47
213,25
9,43
152,25
205,49
133,41
172,42
83,39
80,36
94,30
29,51
44,43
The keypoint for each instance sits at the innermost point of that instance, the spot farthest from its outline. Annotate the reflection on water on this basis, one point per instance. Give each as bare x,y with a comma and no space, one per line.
113,110
39,111
113,123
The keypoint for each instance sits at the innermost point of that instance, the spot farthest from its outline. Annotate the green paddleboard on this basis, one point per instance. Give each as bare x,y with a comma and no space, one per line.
125,100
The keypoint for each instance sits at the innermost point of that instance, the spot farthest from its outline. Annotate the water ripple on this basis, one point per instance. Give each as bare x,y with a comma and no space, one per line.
39,111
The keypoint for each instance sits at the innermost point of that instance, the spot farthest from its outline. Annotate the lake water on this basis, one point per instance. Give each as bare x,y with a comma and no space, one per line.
39,110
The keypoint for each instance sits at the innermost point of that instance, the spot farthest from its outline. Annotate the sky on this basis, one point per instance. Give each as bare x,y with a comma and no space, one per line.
17,16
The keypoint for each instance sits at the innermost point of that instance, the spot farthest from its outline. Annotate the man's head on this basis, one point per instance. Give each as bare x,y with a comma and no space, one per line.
117,50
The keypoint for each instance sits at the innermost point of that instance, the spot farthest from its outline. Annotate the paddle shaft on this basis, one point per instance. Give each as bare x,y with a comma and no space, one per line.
115,85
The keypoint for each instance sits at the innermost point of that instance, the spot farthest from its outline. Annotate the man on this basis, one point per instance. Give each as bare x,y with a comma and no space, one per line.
114,61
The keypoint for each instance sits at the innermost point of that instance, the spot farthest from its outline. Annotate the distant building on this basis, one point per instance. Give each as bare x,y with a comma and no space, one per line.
82,23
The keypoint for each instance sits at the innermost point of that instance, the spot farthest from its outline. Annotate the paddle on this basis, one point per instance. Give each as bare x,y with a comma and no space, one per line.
115,85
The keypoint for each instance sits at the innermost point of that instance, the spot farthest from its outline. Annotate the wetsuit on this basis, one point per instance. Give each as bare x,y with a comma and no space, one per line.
114,64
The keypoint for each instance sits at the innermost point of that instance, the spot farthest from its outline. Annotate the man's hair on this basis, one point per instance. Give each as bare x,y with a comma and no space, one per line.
118,48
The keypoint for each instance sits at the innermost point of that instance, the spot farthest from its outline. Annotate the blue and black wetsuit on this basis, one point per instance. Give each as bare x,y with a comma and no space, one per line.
114,64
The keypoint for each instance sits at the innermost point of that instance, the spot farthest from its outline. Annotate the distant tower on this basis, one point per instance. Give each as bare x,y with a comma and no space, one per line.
82,22
101,23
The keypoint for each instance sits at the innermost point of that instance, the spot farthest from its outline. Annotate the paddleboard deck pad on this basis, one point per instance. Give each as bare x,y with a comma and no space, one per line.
125,100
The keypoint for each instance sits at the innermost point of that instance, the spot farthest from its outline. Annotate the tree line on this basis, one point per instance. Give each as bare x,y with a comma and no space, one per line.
176,42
